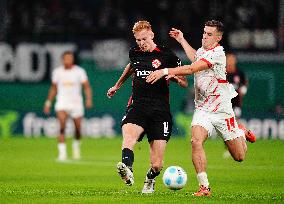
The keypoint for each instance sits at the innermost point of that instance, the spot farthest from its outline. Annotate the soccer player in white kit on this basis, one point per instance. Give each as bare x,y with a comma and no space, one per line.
67,82
213,94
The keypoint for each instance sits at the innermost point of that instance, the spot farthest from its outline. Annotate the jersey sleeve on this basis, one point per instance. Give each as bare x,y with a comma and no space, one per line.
131,55
174,60
213,57
54,76
83,76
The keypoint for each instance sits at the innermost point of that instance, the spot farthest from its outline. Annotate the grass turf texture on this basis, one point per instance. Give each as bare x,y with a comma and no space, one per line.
30,174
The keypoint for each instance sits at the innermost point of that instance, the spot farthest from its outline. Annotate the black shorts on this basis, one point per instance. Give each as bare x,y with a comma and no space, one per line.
156,124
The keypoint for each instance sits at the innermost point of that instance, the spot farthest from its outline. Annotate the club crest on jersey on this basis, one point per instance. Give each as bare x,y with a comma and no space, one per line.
156,63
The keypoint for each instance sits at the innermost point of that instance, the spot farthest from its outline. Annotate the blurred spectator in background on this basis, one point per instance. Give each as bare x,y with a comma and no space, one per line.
68,20
238,79
278,109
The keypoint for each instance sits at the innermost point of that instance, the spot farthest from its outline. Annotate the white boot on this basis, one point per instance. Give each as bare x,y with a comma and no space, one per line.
125,173
149,185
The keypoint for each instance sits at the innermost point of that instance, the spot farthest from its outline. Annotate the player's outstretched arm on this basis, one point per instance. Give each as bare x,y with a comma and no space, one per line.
178,36
124,76
181,71
51,95
88,94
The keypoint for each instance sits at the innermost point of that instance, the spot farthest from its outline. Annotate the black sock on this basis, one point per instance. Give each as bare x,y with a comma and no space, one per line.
128,157
151,174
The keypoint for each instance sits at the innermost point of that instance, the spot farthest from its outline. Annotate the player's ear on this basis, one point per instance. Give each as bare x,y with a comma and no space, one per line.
152,35
219,38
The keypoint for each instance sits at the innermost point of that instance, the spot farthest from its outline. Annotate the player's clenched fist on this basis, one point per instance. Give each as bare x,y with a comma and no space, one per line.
111,91
176,34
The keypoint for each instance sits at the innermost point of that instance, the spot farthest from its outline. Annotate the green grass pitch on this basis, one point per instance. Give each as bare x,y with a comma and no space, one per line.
30,174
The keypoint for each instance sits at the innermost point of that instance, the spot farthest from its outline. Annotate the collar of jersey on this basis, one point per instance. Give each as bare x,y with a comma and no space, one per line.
213,47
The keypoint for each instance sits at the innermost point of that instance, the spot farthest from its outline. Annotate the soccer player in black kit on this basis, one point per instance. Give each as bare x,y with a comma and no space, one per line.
239,81
148,110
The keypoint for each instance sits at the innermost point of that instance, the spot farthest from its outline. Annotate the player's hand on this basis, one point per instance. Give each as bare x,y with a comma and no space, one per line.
46,110
155,76
89,104
111,91
172,77
176,34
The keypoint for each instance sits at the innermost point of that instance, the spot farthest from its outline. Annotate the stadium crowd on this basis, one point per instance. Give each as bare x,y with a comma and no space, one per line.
85,20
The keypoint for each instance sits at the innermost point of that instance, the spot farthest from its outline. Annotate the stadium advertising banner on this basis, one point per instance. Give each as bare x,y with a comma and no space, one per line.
107,125
28,62
25,79
35,124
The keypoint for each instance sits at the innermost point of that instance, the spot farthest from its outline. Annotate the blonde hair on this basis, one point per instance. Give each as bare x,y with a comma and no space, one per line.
140,25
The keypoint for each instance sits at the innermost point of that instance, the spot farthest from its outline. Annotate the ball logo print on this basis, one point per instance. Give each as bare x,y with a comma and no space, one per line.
174,178
156,63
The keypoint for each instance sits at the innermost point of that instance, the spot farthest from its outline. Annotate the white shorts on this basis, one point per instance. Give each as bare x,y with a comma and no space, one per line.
73,112
224,123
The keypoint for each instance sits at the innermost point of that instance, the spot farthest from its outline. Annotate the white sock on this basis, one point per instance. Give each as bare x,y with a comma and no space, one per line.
76,149
202,179
76,144
62,149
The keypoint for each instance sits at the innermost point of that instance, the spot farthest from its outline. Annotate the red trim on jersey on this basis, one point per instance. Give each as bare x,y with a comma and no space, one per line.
222,81
215,89
216,108
206,100
213,47
130,101
211,83
216,97
207,62
157,49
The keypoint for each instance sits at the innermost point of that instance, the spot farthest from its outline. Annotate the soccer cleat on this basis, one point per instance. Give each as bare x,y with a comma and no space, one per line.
149,185
125,173
203,191
248,133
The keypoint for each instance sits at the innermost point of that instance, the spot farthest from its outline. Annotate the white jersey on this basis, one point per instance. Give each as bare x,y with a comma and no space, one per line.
212,92
69,86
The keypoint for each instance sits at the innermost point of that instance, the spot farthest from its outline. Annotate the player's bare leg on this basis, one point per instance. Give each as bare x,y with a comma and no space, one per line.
199,136
237,148
62,152
157,150
76,142
131,134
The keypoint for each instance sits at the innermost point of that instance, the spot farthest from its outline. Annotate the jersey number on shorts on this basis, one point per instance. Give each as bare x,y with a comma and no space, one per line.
166,128
230,123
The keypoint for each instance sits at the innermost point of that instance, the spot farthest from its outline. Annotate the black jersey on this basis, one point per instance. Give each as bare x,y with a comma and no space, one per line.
237,79
143,63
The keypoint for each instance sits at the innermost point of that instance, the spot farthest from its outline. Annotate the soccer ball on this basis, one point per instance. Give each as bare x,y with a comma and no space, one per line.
174,178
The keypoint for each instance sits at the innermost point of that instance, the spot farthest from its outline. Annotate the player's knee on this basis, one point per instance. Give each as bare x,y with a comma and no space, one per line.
239,157
128,142
195,143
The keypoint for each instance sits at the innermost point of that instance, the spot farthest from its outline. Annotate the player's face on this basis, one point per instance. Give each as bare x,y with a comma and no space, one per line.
144,40
210,37
68,60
